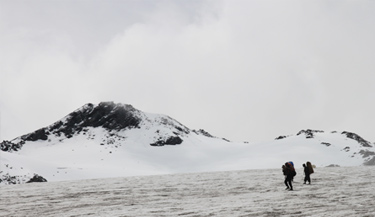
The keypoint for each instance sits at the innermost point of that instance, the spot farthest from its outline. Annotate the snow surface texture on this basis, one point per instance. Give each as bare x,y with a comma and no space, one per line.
335,191
116,140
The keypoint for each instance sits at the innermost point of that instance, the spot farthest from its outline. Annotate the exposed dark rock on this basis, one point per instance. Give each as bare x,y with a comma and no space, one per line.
37,178
227,140
8,179
309,133
173,140
40,134
370,162
20,179
280,137
356,137
9,146
366,153
203,132
326,143
183,130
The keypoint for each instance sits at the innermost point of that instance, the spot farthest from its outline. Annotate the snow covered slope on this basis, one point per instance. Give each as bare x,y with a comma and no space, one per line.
334,192
117,140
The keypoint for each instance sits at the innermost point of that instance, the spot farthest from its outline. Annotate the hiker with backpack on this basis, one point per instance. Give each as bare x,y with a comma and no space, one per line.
308,169
289,172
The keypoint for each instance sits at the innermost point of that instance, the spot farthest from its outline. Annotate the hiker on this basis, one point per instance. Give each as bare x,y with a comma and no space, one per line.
307,174
289,173
308,169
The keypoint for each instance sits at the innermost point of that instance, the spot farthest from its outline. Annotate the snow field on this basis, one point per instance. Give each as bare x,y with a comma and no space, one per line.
339,191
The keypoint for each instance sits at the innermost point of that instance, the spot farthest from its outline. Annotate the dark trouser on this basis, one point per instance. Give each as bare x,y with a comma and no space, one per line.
288,182
307,178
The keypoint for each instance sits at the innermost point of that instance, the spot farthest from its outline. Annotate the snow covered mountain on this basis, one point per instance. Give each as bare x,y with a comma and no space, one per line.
117,140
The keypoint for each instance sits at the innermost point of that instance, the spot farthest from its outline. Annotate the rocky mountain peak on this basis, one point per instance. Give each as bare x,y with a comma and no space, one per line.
109,115
309,133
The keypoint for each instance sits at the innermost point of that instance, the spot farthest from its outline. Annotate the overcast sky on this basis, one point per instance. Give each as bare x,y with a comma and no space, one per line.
243,70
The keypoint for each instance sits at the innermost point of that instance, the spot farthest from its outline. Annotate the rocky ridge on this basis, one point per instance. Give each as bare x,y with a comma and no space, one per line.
365,150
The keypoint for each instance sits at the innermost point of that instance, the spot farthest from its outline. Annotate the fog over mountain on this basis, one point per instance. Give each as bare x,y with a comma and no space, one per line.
117,140
263,68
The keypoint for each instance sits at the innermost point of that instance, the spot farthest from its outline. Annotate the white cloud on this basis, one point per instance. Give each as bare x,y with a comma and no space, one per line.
245,70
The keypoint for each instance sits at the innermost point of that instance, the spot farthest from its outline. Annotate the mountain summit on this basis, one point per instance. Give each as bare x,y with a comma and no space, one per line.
115,140
114,119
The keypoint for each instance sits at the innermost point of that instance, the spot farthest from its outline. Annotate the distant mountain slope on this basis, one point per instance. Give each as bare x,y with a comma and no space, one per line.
354,149
112,118
112,140
105,128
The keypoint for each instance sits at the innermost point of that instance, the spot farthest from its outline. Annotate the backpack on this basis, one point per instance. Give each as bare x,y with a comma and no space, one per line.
291,166
308,164
291,162
294,173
